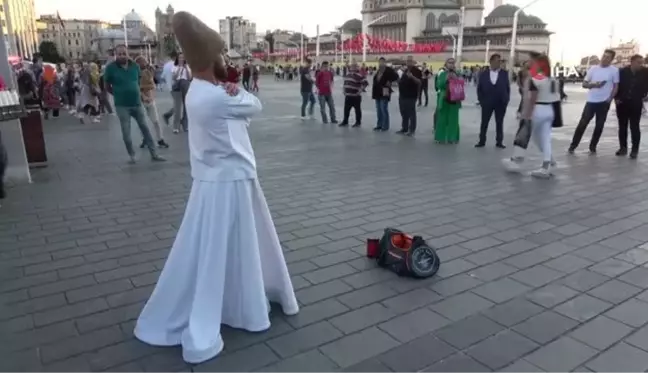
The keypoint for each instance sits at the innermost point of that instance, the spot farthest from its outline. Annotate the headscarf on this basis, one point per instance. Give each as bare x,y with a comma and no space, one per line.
49,74
94,73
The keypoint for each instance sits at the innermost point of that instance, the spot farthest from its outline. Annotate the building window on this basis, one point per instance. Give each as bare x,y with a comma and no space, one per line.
70,54
69,42
77,42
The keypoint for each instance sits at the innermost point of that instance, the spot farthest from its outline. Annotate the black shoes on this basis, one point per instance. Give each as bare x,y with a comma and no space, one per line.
163,144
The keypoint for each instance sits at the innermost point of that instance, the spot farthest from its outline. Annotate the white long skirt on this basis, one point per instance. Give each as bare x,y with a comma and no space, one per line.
225,265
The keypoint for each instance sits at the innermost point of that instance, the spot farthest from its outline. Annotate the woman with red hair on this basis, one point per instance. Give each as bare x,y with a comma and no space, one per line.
50,94
541,111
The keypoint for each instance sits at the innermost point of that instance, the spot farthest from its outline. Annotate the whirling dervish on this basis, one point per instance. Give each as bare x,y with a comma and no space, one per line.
226,263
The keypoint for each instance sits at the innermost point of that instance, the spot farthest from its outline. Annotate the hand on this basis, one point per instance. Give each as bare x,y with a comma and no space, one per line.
231,89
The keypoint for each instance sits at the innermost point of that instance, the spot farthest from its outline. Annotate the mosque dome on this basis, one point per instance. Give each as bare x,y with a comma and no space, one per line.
503,14
352,25
133,17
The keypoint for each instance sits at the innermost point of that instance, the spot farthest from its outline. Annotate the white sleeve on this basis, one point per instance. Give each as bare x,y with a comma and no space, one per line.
615,77
588,76
243,105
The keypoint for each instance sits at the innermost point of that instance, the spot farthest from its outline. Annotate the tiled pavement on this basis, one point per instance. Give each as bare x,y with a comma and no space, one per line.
536,275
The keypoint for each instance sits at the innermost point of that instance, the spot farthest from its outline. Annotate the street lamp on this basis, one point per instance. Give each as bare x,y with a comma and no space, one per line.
454,45
460,37
365,29
516,16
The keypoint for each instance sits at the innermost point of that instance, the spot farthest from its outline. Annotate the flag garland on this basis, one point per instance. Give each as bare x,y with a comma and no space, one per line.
374,45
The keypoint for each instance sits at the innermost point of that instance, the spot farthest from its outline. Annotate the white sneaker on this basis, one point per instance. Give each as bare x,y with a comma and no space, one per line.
511,165
304,118
542,173
72,111
96,120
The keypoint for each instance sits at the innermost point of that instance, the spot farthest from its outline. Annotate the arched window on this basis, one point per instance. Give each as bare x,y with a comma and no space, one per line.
430,22
443,19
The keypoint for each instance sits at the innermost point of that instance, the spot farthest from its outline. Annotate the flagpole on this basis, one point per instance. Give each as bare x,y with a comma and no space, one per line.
125,33
301,49
317,44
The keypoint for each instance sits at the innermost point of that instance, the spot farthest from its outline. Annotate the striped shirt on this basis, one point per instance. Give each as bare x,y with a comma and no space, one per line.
354,83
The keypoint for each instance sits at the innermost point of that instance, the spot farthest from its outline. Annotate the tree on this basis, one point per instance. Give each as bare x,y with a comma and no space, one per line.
49,52
169,46
270,38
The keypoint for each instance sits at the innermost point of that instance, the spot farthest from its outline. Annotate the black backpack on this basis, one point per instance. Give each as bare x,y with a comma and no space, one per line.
406,255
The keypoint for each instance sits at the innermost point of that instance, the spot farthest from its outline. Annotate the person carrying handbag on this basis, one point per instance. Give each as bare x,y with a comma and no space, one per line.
180,78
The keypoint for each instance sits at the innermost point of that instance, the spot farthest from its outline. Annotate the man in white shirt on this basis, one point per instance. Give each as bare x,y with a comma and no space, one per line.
602,82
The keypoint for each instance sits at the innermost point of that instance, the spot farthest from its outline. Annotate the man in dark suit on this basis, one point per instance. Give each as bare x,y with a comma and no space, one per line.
493,93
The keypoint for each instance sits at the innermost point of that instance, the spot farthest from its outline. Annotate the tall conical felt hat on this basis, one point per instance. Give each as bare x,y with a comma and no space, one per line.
200,45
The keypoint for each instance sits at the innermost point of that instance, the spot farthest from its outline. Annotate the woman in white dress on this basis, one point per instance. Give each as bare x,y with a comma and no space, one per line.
226,263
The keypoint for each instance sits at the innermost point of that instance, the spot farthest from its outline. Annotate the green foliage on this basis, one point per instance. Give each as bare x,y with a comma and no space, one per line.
169,45
48,51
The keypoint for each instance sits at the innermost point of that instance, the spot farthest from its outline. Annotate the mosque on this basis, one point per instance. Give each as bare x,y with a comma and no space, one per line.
430,21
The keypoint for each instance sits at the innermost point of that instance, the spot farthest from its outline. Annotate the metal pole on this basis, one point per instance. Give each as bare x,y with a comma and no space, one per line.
301,49
513,41
487,52
454,47
317,44
342,46
125,33
462,22
229,33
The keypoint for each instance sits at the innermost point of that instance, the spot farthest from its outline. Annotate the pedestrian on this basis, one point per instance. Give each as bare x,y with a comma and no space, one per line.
354,84
424,85
50,92
409,87
602,82
306,89
180,79
122,81
89,94
226,264
541,112
324,84
493,94
255,78
447,121
633,87
381,91
147,92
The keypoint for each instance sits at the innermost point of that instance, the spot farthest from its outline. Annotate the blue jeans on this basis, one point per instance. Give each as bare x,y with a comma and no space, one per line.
382,111
125,114
327,100
306,97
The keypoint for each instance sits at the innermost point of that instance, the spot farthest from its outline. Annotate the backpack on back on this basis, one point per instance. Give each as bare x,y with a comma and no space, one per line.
456,91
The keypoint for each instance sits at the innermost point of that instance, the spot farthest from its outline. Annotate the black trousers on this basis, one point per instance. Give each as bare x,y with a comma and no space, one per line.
591,110
354,102
487,111
629,112
423,91
407,108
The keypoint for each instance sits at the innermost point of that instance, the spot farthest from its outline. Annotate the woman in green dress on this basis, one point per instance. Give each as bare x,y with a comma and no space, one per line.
447,121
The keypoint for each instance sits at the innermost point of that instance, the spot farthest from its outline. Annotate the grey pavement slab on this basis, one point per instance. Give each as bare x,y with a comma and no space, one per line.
536,274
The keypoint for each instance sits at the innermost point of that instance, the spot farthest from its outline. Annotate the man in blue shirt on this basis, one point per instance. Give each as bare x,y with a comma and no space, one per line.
121,79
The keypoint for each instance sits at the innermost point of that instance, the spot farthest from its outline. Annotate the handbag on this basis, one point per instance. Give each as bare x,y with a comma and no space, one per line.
406,255
176,87
523,134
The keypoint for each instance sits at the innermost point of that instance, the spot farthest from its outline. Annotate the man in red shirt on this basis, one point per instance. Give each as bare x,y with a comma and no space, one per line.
232,71
324,85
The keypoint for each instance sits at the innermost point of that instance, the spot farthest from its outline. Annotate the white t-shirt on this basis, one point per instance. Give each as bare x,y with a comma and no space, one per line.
167,73
609,75
182,72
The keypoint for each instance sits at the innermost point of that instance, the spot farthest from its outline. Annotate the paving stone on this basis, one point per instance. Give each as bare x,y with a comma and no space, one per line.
365,296
513,312
584,280
411,300
636,256
317,312
304,339
501,349
601,332
639,338
568,263
458,362
246,360
551,295
527,259
501,290
77,345
369,365
492,271
536,276
632,312
414,325
612,267
455,285
614,291
319,292
311,361
545,326
583,307
461,306
637,277
417,354
595,253
362,318
521,366
357,347
562,355
620,358
464,333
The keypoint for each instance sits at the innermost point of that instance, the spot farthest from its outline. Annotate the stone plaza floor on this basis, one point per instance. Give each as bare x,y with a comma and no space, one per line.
536,275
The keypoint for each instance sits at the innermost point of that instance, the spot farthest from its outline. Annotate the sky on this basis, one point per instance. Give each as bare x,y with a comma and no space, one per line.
581,27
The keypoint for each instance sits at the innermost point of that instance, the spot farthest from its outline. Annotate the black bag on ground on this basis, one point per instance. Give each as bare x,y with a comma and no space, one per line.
407,255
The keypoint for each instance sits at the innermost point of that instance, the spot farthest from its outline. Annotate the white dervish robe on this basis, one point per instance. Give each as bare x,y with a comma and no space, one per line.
226,262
